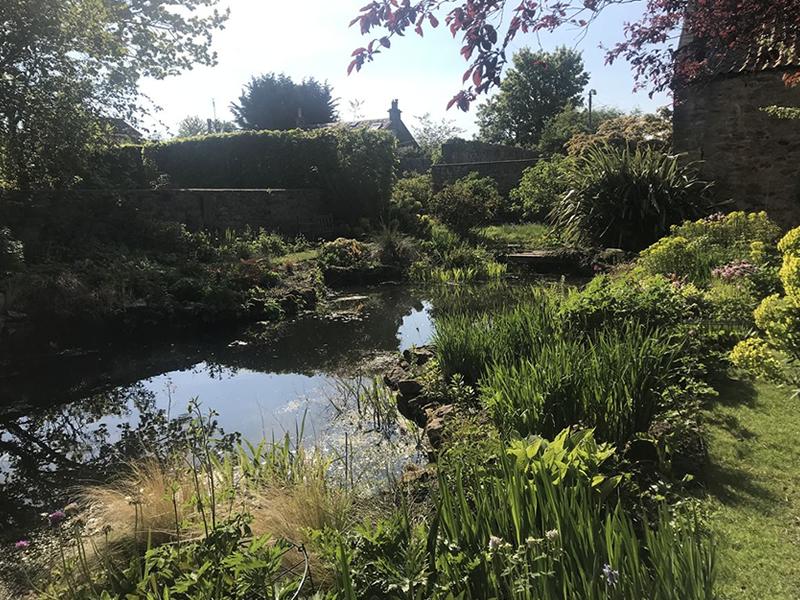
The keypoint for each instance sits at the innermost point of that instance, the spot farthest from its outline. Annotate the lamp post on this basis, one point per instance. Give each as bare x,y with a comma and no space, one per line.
591,93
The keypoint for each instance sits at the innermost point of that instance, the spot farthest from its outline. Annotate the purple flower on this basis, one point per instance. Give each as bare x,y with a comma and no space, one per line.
610,575
734,270
22,545
56,517
717,216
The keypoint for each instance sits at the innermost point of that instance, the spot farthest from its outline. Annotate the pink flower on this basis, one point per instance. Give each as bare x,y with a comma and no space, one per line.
56,517
22,545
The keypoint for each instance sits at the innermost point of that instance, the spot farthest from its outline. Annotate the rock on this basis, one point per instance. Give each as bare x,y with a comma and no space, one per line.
437,421
414,409
393,375
642,451
418,356
409,388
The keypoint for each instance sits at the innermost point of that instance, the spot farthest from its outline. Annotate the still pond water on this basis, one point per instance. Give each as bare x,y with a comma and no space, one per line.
91,407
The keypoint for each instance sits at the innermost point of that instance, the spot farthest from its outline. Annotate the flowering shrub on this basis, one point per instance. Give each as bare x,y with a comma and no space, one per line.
734,246
778,319
734,270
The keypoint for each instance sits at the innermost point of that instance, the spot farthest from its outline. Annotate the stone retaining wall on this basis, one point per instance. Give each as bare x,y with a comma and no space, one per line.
507,174
288,211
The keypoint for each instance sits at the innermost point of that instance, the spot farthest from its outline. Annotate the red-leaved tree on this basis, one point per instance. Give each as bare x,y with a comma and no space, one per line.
716,30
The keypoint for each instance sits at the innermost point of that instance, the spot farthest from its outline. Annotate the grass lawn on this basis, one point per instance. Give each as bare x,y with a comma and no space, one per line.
754,492
296,257
529,236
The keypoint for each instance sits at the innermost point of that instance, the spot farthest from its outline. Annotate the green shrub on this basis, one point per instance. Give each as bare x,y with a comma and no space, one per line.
647,130
345,254
627,198
410,199
541,187
695,249
652,301
467,203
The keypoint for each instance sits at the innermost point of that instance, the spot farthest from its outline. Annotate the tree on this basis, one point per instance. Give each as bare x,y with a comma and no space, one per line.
193,126
274,101
534,90
66,67
716,28
431,134
571,121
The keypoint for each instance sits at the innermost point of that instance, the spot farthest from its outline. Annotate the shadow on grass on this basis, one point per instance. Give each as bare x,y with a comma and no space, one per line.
735,487
734,392
722,479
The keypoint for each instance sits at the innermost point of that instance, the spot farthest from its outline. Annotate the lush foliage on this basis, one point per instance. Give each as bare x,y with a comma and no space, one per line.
536,523
345,253
534,90
466,203
355,169
728,247
65,67
627,198
646,130
410,199
570,122
775,353
541,188
447,257
275,102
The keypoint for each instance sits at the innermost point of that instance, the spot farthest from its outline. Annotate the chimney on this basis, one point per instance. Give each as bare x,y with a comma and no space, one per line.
394,113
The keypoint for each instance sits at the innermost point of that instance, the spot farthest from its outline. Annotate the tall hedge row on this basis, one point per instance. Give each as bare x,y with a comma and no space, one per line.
353,168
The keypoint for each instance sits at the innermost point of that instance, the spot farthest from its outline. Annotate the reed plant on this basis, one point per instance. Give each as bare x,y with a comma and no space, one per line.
612,381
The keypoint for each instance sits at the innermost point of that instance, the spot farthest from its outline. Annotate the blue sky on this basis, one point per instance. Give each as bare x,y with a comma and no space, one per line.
312,38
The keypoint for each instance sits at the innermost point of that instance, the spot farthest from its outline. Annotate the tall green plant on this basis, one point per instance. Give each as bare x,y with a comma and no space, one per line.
627,198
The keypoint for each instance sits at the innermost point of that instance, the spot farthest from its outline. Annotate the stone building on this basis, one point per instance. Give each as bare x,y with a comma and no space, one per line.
753,157
393,124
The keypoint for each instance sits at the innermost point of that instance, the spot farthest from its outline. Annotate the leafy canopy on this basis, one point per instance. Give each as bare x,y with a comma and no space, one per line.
534,90
193,126
487,27
66,66
275,102
431,134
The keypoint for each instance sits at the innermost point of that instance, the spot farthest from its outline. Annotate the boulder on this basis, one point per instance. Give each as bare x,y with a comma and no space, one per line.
418,356
437,419
409,388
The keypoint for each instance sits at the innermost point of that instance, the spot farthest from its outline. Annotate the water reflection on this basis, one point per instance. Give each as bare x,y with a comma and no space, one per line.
78,419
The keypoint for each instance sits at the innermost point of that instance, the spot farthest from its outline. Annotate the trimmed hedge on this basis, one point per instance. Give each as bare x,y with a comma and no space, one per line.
355,169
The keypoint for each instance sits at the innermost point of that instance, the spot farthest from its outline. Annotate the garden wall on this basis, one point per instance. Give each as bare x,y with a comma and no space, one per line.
287,211
507,174
753,158
353,169
504,164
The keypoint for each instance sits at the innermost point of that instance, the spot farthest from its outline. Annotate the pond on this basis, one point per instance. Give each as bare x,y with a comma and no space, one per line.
91,408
